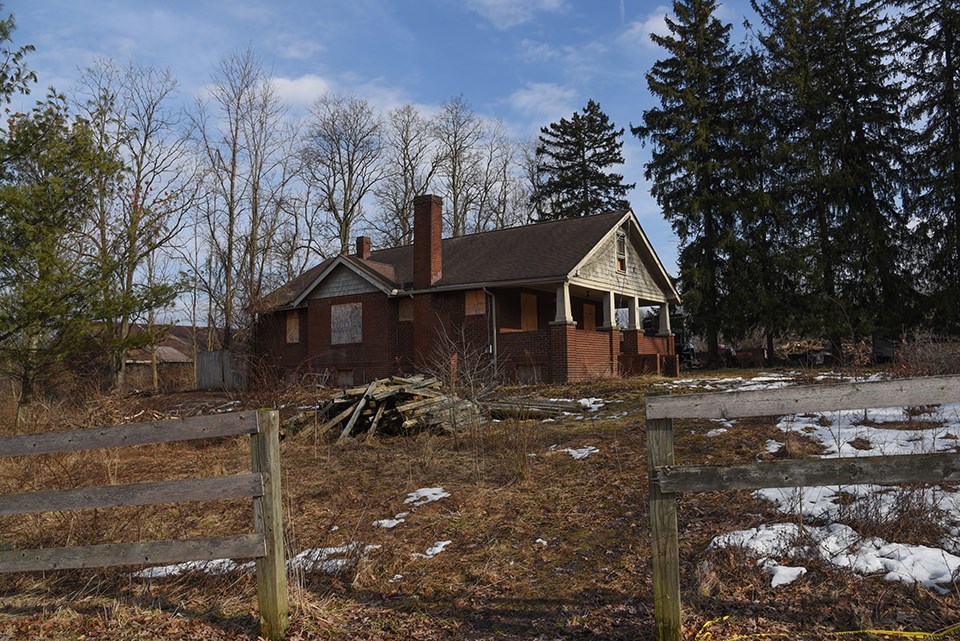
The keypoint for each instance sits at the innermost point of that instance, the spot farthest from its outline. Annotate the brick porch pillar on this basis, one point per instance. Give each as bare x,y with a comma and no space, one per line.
559,357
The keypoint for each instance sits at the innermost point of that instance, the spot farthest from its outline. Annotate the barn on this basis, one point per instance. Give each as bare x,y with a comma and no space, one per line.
539,301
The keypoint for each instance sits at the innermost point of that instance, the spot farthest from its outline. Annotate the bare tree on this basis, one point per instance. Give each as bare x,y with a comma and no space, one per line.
341,159
142,210
410,163
243,138
495,181
459,132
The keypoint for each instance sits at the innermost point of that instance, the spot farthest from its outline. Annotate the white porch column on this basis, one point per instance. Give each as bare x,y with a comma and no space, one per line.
634,318
665,320
564,312
609,311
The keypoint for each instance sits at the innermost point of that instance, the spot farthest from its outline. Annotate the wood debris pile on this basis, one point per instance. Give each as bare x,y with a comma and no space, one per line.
394,405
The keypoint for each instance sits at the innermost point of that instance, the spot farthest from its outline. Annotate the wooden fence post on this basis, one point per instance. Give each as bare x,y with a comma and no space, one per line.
268,521
664,535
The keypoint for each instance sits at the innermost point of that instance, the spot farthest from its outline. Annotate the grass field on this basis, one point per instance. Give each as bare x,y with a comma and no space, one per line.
542,545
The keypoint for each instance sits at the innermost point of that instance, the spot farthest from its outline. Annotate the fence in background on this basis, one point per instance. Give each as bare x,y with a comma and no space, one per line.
666,479
265,543
221,369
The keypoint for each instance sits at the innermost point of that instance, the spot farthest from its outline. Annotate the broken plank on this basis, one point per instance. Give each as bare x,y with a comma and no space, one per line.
356,412
329,424
375,421
412,405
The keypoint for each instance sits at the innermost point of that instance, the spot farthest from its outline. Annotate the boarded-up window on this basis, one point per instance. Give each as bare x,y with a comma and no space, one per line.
406,309
528,312
293,326
476,302
346,324
590,317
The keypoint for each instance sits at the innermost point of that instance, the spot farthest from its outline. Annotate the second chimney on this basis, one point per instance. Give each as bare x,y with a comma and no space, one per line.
427,250
363,247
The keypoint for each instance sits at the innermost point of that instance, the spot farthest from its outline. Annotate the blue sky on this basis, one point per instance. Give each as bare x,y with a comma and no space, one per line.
527,62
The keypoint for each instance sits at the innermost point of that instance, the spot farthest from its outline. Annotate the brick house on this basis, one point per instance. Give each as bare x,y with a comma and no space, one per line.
540,300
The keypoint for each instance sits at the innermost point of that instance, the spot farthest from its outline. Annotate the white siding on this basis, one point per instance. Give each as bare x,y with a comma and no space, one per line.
601,272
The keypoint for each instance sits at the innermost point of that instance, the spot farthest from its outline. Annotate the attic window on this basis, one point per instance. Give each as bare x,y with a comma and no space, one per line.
621,252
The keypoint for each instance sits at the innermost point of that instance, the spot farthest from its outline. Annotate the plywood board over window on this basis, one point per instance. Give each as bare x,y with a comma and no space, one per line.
475,302
528,312
293,326
346,324
590,317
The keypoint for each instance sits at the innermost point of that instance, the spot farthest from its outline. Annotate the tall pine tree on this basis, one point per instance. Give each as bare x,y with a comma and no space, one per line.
838,137
693,162
574,161
929,37
765,262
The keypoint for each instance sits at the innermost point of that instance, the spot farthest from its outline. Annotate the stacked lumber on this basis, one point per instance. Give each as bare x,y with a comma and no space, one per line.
394,405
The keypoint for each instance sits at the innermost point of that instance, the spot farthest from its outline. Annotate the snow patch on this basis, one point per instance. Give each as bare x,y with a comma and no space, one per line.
425,495
581,453
432,551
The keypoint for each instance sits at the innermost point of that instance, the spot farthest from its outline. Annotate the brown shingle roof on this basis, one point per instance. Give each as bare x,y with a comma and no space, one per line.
529,253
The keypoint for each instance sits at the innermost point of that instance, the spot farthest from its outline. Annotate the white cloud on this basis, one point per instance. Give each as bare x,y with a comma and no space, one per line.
534,51
510,13
301,91
638,32
292,47
543,102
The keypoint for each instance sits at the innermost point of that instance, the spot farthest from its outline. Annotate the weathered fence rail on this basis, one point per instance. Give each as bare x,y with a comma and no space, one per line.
262,485
666,478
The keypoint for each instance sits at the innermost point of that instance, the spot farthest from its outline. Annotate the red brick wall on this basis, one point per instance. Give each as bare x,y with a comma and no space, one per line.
593,354
450,329
527,352
562,353
270,342
635,342
374,357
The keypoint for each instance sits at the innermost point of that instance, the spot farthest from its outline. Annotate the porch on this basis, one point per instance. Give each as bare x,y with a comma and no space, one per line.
563,332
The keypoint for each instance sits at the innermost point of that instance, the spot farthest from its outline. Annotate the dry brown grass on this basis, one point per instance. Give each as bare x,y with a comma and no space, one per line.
543,546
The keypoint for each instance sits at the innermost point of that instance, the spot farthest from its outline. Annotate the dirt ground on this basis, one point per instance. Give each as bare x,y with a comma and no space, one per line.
542,545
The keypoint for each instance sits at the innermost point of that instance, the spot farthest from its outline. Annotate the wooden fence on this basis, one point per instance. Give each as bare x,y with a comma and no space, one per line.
265,543
220,370
666,479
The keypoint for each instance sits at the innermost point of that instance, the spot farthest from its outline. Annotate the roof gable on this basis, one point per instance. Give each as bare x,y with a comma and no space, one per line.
342,284
639,248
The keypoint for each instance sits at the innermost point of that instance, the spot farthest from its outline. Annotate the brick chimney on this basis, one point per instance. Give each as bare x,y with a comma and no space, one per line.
427,229
363,247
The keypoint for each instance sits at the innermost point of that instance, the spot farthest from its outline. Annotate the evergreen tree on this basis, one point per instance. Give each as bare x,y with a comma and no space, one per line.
47,282
693,163
574,161
14,75
838,138
765,263
929,37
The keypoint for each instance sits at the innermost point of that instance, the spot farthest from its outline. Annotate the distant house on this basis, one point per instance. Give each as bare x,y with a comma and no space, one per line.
540,300
175,351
